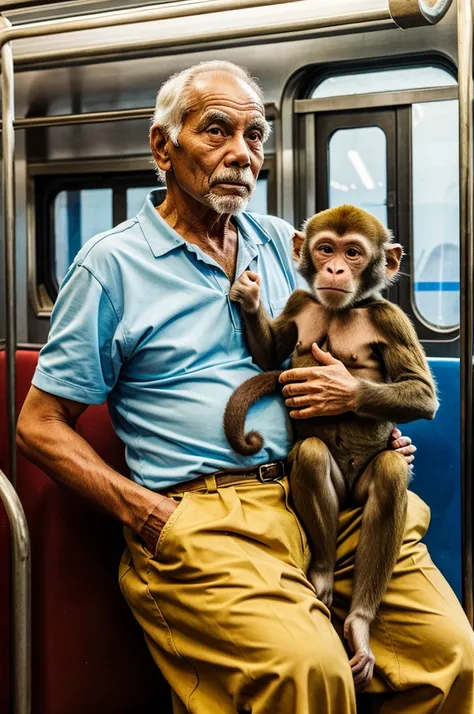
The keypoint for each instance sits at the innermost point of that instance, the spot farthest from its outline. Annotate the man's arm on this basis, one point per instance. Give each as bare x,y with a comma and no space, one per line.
46,436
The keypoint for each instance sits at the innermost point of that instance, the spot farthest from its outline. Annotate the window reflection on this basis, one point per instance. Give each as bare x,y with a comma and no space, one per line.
78,215
436,211
358,169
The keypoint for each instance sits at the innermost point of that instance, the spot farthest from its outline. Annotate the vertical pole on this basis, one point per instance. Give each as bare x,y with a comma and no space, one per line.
8,145
21,597
465,35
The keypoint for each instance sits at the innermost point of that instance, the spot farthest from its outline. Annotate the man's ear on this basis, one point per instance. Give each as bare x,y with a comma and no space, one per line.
393,255
298,240
159,147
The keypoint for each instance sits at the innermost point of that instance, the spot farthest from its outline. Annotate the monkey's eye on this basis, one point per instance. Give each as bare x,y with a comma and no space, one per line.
325,249
352,253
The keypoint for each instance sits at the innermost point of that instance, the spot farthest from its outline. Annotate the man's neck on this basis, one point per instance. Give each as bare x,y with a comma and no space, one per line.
194,221
212,232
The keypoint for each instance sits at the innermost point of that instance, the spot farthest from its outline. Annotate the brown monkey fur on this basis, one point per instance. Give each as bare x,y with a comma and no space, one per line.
347,257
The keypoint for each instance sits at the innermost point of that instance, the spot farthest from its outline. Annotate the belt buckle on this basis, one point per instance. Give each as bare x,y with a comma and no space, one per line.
265,467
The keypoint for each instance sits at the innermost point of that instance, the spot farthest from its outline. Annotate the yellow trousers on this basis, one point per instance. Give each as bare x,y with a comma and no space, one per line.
234,625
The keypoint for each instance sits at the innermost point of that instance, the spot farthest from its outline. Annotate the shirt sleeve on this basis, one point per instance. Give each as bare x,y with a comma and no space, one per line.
84,353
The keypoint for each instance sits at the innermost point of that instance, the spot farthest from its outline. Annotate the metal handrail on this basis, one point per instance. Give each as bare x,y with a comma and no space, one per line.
377,18
465,38
116,18
9,243
21,597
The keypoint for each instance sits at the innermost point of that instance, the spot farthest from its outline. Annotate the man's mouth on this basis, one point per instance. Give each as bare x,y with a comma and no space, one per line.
234,184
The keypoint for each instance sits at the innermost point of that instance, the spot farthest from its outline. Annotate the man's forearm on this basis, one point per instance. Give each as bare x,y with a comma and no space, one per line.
68,459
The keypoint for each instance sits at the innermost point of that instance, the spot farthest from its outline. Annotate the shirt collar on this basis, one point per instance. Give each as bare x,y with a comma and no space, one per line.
162,238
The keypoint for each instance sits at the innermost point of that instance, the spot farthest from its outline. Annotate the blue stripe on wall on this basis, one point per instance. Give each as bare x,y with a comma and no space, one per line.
443,286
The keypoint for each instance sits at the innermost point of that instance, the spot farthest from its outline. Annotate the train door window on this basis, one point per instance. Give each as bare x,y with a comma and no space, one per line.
358,169
78,215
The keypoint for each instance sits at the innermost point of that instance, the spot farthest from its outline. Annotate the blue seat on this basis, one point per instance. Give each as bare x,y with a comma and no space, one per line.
437,471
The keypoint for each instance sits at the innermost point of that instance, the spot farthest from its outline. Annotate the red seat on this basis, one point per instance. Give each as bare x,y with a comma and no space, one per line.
88,653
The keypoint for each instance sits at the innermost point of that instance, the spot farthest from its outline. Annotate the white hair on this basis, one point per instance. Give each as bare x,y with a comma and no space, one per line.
175,97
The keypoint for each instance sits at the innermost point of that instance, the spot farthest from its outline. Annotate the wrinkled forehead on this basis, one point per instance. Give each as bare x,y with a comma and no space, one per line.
216,90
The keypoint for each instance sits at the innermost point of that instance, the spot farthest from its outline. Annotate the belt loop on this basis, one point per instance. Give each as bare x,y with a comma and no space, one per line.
211,483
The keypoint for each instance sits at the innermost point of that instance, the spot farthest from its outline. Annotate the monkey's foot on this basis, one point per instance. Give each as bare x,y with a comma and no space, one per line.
323,583
357,633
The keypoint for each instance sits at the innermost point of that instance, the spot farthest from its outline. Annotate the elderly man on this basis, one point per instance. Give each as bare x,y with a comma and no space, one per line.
214,570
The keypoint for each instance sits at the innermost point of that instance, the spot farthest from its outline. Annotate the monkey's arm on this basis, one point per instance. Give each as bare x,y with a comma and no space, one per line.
411,393
270,342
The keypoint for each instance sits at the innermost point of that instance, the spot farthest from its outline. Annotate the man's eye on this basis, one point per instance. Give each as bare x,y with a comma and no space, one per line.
352,253
215,131
325,249
255,136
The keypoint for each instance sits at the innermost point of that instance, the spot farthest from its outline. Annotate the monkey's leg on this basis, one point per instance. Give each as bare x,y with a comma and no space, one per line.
383,489
317,487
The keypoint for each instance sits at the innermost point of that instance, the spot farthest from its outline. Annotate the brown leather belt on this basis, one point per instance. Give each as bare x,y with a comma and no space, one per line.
274,471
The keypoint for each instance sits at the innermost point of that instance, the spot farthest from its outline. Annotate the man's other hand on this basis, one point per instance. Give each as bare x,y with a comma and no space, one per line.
325,390
156,521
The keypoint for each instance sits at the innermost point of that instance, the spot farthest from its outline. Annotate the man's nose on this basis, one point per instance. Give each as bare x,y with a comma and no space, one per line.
238,152
336,267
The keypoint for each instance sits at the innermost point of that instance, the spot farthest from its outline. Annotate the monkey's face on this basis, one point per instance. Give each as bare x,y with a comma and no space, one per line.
339,266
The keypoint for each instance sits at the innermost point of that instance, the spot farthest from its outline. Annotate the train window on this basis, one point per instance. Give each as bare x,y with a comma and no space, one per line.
136,198
435,171
388,80
259,201
71,209
78,215
358,169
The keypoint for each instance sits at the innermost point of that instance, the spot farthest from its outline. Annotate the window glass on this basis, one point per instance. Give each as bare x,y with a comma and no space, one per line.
358,169
259,201
78,215
388,80
136,198
436,211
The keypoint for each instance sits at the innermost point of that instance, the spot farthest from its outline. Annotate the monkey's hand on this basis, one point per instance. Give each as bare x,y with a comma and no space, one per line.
357,633
246,291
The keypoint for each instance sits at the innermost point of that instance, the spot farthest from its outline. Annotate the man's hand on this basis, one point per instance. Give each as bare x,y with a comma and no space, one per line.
246,291
326,390
403,445
156,521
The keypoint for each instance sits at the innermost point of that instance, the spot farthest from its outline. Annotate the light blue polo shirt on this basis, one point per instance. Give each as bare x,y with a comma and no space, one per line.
143,320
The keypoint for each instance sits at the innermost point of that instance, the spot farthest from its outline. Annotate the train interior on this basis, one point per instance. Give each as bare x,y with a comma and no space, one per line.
364,110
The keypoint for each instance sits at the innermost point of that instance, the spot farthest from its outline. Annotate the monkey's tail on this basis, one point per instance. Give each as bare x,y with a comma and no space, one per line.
237,407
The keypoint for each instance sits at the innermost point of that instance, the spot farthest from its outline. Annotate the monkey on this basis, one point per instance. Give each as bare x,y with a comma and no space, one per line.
347,257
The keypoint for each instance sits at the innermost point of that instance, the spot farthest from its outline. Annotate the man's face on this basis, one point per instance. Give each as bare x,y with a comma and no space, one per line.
220,150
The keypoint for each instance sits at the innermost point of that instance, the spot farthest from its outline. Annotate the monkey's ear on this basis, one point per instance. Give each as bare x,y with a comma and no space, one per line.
393,254
298,240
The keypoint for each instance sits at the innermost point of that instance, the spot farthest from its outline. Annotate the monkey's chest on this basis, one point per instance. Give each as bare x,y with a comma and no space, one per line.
352,340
